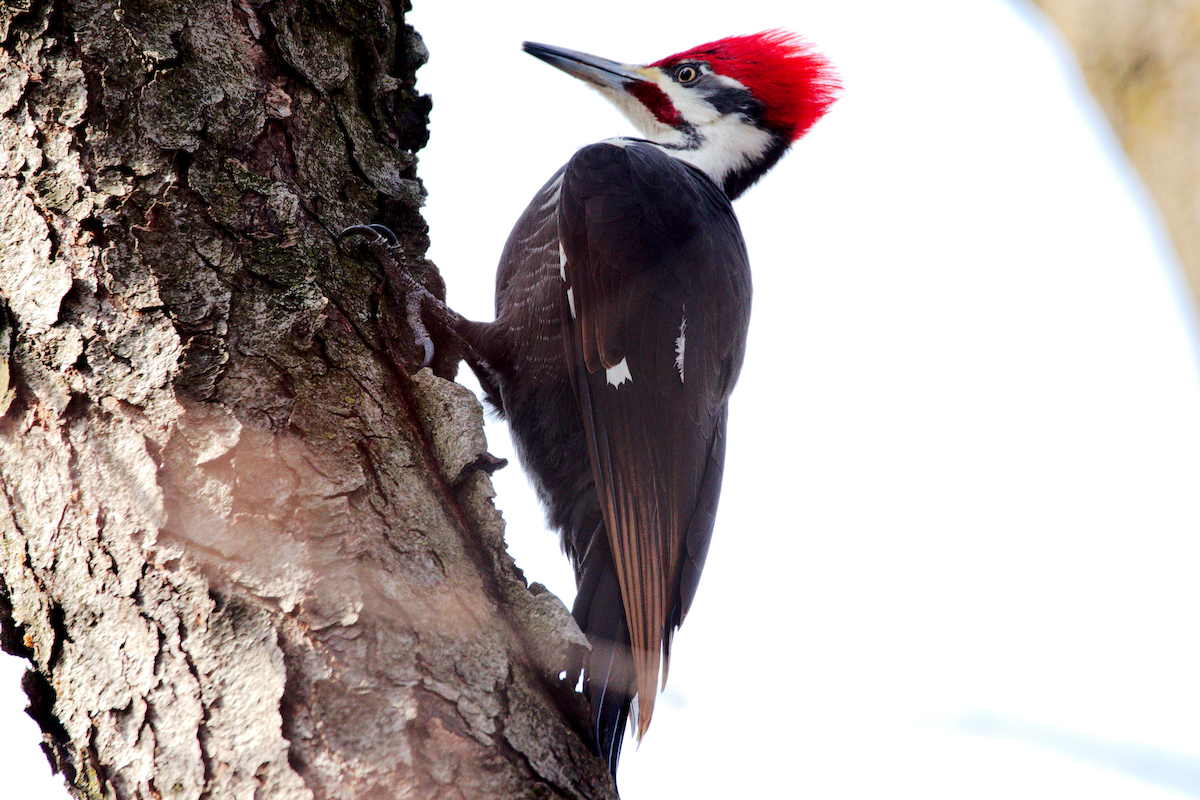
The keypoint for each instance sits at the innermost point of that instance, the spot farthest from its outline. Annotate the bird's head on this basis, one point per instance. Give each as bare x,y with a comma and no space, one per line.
730,107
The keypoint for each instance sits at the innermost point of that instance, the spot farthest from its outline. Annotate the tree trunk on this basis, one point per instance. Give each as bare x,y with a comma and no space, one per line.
1142,62
248,554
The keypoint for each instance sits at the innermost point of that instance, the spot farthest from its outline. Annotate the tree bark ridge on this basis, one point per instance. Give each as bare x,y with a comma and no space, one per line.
247,553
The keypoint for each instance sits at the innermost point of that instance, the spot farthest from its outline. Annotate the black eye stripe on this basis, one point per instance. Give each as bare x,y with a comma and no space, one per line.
727,100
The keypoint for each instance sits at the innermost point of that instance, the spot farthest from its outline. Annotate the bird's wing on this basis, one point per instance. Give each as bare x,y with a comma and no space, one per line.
655,305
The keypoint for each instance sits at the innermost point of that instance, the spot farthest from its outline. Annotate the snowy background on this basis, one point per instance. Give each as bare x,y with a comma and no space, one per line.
958,544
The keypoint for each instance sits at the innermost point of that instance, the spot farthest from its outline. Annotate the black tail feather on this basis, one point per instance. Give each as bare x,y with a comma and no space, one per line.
608,673
608,687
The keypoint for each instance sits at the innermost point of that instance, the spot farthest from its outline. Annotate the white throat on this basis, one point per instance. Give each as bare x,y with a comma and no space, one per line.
726,146
722,144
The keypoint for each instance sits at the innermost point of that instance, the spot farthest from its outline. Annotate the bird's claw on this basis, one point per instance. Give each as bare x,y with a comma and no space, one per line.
374,229
427,344
414,291
413,308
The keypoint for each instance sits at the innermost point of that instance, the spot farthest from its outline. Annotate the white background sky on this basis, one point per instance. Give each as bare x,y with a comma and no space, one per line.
957,549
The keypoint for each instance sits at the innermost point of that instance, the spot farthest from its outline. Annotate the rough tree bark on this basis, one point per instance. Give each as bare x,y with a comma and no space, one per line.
245,551
1142,62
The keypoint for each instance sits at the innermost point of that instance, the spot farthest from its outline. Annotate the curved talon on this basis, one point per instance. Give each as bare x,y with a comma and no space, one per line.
413,308
385,233
374,229
353,230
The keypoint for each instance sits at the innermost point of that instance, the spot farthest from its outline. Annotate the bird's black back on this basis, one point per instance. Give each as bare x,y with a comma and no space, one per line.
652,254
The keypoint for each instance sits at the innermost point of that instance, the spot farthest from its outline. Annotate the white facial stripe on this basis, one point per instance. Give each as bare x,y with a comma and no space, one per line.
725,80
727,142
729,145
688,103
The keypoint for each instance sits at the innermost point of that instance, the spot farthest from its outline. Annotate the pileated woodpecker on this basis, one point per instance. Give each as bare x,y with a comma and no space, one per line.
622,304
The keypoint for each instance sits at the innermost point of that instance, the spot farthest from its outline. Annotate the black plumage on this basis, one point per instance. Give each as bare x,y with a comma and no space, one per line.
622,306
653,263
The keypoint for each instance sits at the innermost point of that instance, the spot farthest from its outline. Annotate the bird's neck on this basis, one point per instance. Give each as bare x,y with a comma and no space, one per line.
732,152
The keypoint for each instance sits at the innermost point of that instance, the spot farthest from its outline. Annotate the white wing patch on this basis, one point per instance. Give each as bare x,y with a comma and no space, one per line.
680,345
571,301
562,262
618,374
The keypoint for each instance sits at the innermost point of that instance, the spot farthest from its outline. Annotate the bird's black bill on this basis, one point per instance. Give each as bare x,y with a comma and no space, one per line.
593,69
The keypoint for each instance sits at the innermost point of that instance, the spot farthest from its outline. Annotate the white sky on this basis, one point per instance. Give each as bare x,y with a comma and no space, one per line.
964,452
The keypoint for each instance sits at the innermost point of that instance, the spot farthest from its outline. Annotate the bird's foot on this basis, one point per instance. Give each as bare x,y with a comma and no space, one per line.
400,282
457,335
412,307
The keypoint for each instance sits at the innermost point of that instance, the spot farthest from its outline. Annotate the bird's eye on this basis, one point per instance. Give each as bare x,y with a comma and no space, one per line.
687,74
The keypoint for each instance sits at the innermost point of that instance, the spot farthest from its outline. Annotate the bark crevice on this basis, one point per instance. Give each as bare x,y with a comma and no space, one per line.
246,552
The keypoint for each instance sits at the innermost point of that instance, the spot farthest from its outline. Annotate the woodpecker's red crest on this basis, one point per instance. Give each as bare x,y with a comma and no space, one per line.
731,107
795,83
